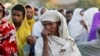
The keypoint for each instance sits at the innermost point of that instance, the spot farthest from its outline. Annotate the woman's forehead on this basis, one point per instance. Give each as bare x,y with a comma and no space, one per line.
48,22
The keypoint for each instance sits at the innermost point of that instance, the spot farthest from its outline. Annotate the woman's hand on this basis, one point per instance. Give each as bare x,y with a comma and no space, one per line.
45,34
84,24
31,39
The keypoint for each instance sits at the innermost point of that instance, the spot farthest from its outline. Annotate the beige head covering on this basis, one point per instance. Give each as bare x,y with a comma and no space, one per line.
56,44
55,16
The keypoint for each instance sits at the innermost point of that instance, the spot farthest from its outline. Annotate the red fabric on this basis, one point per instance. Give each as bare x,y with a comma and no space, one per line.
7,38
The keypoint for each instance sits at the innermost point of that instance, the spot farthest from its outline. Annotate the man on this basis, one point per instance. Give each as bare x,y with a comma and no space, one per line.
22,29
68,16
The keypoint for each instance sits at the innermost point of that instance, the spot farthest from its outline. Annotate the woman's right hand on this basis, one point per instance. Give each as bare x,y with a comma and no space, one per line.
45,34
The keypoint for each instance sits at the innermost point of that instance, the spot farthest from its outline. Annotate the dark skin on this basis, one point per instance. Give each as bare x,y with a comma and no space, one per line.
17,18
31,39
83,22
68,17
30,13
50,28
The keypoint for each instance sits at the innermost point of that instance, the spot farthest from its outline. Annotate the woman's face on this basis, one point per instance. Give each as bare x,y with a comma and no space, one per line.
1,12
29,13
52,27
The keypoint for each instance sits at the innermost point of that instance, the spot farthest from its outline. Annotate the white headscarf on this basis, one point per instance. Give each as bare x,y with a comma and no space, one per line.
76,15
74,25
39,12
37,27
56,44
76,29
55,16
89,13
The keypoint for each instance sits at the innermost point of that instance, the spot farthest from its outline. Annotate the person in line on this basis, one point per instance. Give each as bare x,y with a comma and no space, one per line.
88,14
55,40
91,48
30,15
19,20
78,27
37,27
8,46
94,24
68,15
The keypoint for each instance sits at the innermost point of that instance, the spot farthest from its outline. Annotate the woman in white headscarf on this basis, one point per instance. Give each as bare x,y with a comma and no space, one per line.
88,14
55,40
78,26
41,11
92,48
37,27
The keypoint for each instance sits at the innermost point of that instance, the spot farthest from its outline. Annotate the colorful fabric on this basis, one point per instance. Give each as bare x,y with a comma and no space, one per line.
91,48
30,23
21,37
8,46
89,13
95,24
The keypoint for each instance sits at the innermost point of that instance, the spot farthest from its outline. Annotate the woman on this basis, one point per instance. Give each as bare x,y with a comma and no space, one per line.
88,14
55,39
95,24
91,48
22,29
30,15
37,27
8,45
78,26
41,11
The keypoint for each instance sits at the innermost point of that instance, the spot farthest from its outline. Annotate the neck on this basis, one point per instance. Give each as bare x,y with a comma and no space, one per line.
56,33
29,18
1,18
17,25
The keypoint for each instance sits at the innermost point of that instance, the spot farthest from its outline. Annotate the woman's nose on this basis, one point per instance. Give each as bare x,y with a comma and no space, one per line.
47,27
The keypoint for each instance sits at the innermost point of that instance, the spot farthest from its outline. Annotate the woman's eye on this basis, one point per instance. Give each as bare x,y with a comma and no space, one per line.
49,23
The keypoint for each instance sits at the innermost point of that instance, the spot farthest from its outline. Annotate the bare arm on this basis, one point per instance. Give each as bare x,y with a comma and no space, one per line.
45,43
45,49
84,24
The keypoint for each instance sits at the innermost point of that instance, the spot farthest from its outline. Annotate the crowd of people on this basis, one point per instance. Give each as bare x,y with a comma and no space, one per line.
29,31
